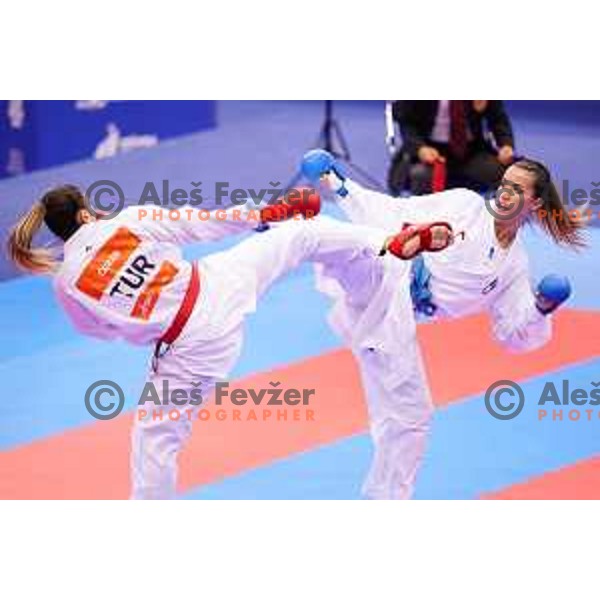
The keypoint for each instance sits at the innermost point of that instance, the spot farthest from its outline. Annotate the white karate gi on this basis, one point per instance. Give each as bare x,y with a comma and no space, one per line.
106,286
374,314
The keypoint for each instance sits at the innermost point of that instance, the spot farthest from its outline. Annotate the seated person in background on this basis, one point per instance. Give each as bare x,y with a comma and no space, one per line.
450,131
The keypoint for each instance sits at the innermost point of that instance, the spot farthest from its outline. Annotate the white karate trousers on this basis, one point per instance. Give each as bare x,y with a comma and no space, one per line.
210,344
374,314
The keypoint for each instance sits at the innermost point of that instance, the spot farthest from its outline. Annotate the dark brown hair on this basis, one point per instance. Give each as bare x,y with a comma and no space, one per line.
553,218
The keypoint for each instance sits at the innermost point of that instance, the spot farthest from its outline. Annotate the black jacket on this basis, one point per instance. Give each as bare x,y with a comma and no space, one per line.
416,119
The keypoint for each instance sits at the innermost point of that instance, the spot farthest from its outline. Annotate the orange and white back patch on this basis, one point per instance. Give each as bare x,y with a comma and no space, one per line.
120,269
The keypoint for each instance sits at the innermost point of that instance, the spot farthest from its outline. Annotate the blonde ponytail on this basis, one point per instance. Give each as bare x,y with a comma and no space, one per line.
34,260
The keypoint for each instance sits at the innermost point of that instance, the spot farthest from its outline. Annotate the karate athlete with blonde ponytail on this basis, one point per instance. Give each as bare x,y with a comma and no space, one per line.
125,277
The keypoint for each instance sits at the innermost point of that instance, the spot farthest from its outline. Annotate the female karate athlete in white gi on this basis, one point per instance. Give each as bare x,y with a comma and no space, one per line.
125,277
486,270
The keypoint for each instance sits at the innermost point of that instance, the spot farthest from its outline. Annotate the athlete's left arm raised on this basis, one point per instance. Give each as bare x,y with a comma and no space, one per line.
189,225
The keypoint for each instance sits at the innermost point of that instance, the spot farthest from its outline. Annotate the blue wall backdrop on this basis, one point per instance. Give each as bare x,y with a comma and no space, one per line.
40,134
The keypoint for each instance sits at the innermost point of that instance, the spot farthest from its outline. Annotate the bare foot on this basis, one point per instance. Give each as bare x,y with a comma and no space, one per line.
441,237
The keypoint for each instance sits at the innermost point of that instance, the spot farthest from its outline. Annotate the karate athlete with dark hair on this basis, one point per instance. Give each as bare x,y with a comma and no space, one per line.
485,269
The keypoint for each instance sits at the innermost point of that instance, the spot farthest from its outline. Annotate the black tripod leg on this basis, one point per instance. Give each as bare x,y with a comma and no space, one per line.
324,140
330,129
345,151
366,176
